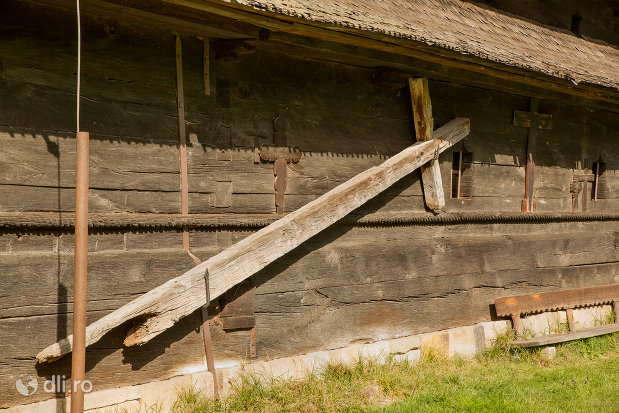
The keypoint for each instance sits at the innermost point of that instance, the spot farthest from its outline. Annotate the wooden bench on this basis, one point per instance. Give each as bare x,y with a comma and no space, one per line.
559,300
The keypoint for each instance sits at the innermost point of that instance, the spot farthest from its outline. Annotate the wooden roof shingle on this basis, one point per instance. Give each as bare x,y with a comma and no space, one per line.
465,28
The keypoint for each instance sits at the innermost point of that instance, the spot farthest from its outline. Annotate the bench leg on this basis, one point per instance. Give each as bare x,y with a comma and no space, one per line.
517,324
616,311
570,319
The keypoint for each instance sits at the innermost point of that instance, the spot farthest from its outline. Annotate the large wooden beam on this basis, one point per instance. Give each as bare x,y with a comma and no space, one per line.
433,193
161,307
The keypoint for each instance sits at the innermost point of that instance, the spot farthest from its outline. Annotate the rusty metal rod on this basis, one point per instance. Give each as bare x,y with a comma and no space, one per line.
206,335
208,351
21,222
78,362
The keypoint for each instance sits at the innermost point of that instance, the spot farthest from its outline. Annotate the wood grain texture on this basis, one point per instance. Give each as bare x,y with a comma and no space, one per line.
562,338
439,271
310,18
179,297
412,283
433,193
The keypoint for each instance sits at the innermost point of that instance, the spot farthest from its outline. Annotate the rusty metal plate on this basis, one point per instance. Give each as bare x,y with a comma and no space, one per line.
556,300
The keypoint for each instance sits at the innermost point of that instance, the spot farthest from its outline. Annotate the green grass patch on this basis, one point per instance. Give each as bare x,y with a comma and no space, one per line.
582,377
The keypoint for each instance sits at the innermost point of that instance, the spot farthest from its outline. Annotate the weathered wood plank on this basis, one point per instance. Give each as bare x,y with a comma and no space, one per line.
339,263
182,295
347,270
433,193
177,351
48,159
562,338
362,310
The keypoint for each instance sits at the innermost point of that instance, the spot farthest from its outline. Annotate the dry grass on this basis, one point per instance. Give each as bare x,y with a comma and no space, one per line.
582,377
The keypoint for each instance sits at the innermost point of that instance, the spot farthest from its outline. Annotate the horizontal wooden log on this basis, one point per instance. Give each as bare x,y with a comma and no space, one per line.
290,315
178,297
562,338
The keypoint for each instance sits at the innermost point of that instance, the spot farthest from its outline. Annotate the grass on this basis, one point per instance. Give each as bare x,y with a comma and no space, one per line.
581,378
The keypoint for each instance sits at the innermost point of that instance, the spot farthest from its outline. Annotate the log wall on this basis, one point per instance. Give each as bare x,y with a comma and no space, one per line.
348,284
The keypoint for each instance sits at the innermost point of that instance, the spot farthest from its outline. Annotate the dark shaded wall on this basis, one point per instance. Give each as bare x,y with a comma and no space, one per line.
345,285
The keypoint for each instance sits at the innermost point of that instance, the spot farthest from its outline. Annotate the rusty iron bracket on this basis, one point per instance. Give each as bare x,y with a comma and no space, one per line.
281,155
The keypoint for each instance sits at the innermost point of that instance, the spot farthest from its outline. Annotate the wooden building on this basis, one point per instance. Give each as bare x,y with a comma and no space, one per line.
218,80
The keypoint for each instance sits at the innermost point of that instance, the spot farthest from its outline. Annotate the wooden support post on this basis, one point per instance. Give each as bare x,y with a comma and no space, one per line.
517,323
180,296
616,310
570,319
528,202
182,137
534,121
252,342
206,67
424,125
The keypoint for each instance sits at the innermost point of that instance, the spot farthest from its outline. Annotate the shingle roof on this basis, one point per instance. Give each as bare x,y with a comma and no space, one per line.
466,28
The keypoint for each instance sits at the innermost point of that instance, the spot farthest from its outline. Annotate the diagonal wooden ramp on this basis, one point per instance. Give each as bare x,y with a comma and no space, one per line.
160,308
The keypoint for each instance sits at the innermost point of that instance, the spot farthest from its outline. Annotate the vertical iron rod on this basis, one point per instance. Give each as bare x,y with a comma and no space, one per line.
208,351
206,334
78,362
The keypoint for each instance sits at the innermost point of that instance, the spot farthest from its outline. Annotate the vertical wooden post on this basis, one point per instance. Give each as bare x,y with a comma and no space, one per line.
424,126
78,361
528,203
182,137
252,342
517,323
460,174
569,313
206,67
